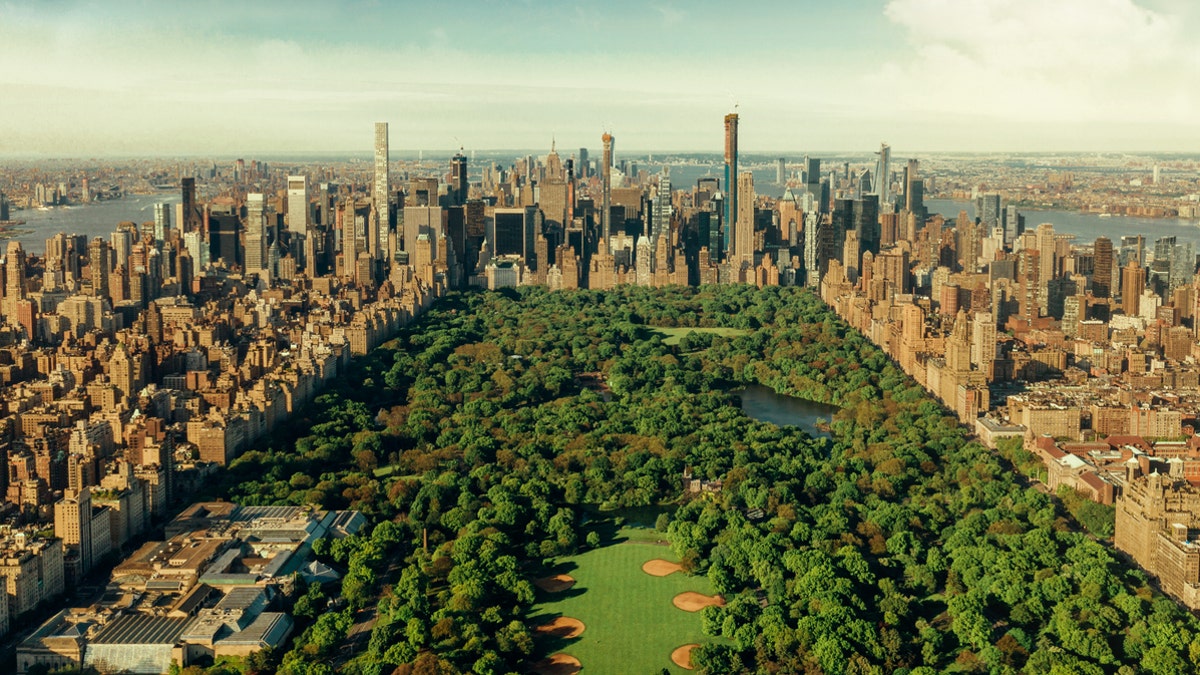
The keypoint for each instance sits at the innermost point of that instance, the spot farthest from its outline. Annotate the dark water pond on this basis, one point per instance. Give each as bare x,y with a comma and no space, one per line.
764,405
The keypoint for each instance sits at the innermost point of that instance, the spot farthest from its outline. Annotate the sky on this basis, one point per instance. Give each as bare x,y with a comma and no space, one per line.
234,78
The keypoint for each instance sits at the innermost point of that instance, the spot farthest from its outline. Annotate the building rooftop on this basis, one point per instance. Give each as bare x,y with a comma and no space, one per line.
140,629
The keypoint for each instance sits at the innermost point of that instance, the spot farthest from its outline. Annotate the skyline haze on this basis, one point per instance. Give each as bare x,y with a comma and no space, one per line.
123,78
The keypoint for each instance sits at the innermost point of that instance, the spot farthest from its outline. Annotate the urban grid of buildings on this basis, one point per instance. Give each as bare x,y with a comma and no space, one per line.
134,366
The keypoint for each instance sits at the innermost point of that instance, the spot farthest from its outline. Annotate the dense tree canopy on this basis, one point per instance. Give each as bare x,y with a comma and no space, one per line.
475,439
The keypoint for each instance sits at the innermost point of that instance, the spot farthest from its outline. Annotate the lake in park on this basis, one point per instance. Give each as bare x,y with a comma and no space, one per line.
764,405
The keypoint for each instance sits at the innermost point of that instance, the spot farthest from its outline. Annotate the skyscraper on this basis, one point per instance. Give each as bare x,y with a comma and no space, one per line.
606,189
162,222
98,265
883,181
14,280
256,237
781,171
743,239
382,185
1102,267
188,222
459,182
812,181
1047,260
1133,282
731,176
1014,225
661,222
987,209
297,204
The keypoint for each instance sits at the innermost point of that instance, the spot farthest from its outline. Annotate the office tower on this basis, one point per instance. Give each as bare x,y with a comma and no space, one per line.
1047,262
1014,225
197,251
98,265
1102,267
14,272
256,232
382,189
914,191
162,222
987,209
73,524
189,221
460,184
780,171
812,170
585,167
812,181
606,186
1133,282
743,238
865,221
422,192
420,220
883,181
513,232
297,204
298,218
1183,264
223,235
662,210
731,178
122,246
3,207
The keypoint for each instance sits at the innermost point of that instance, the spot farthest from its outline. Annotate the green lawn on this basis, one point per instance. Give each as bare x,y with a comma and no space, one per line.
672,336
631,625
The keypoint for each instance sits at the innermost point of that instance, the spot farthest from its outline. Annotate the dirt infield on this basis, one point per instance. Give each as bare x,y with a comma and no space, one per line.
555,584
558,664
694,602
682,656
660,568
563,627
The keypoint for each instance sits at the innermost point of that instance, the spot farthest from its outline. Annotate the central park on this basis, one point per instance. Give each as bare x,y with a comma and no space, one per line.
508,446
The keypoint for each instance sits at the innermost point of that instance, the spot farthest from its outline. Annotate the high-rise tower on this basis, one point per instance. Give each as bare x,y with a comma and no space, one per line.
98,265
459,183
731,174
606,178
743,238
382,185
883,180
1102,267
188,205
256,235
162,222
297,204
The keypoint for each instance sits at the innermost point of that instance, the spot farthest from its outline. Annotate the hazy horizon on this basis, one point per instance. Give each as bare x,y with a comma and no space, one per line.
131,79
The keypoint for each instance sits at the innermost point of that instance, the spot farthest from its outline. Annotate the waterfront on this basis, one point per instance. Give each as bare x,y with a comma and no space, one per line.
1087,226
764,405
98,219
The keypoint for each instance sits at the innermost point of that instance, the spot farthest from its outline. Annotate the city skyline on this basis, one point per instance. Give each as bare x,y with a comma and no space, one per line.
924,75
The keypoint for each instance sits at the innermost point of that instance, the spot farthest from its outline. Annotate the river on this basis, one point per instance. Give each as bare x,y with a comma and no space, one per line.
1087,226
764,405
98,219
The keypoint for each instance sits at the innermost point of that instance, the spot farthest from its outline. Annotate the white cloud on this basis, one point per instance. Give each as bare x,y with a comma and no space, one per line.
1036,60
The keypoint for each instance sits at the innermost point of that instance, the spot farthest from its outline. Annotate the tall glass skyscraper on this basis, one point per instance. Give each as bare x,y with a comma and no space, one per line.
731,176
380,193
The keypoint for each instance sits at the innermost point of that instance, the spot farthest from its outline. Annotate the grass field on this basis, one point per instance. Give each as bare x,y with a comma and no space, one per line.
631,625
672,336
